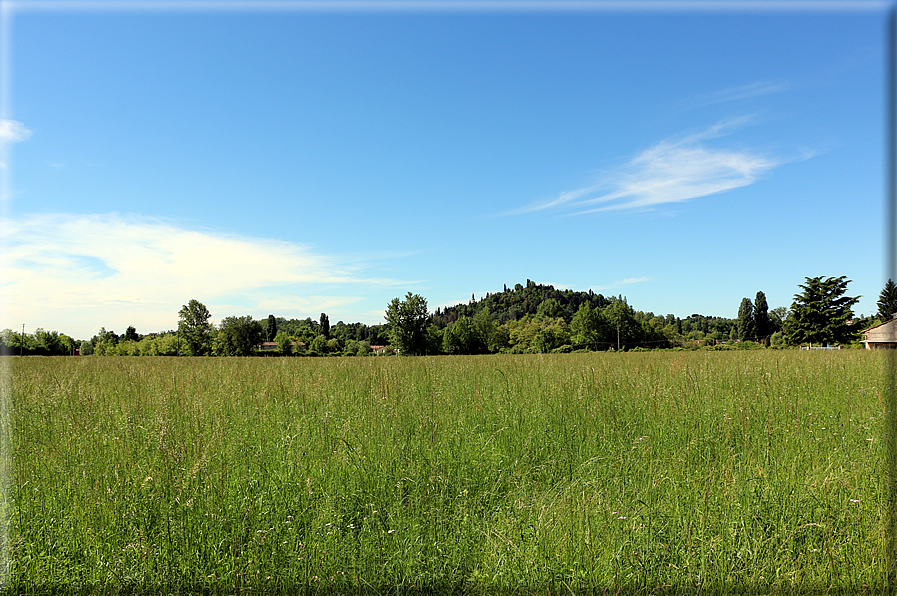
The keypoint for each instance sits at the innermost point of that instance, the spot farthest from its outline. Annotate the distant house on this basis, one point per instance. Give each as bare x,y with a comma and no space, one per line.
882,336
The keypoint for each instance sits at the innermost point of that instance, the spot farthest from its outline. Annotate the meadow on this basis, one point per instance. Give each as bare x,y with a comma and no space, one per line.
670,472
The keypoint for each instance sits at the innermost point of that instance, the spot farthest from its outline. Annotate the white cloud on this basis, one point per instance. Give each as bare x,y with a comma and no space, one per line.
623,282
632,280
671,171
74,272
12,131
279,303
755,89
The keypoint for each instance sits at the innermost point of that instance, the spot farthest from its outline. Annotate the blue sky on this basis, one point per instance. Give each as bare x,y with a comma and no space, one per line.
305,159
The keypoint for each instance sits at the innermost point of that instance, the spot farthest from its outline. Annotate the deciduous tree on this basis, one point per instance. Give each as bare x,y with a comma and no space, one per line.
238,336
485,327
408,322
777,318
622,321
460,337
194,328
590,328
283,343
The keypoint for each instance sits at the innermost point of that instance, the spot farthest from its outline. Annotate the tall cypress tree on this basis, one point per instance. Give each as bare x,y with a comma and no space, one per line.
325,325
746,326
762,326
271,328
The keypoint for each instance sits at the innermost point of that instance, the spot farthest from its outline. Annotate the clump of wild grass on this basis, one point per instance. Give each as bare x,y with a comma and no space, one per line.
755,471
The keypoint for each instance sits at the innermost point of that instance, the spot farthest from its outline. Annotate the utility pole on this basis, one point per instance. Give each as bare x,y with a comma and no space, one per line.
22,343
618,337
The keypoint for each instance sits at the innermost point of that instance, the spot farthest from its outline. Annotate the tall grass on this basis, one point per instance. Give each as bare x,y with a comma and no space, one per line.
677,472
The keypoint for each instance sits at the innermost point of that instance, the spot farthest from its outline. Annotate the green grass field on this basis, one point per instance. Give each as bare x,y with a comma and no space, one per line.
668,472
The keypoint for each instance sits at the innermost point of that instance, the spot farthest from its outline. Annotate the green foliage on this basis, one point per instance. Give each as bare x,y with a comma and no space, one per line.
484,327
746,326
500,340
325,325
284,343
270,328
238,336
820,313
461,338
466,336
318,346
696,326
515,303
194,328
40,343
590,328
777,317
621,319
778,339
534,334
762,325
748,345
887,301
553,333
408,320
551,308
357,348
167,345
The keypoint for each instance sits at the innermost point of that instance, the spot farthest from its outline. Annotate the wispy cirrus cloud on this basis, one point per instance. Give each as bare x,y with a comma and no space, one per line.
623,282
12,131
748,91
672,171
83,270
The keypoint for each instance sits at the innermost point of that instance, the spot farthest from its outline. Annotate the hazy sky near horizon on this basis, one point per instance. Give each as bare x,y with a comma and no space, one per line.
294,161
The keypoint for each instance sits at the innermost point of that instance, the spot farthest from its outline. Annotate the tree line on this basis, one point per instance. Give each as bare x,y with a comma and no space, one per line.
530,318
570,321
